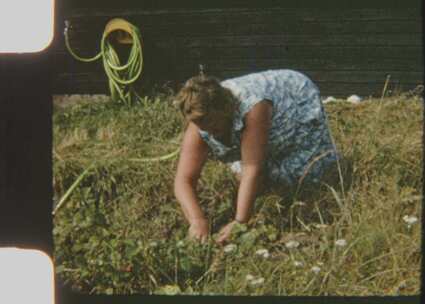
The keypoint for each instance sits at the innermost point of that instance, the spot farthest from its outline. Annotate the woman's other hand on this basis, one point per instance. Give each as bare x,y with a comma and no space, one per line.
199,230
225,232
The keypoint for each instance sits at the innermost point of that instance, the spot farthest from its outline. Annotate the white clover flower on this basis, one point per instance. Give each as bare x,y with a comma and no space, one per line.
292,244
263,253
249,277
315,269
298,263
341,243
256,282
229,248
410,220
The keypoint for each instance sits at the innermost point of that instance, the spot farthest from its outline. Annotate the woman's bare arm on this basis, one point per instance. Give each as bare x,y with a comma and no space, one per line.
253,152
192,158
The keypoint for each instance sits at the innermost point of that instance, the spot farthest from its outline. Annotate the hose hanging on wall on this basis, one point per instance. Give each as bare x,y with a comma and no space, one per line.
121,76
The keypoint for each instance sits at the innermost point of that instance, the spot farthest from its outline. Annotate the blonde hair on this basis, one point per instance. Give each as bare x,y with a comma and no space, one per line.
201,95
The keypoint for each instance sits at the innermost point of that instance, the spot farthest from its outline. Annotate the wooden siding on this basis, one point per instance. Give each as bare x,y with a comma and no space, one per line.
345,50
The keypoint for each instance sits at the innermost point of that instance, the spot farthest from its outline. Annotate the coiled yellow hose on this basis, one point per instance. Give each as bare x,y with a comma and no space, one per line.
121,77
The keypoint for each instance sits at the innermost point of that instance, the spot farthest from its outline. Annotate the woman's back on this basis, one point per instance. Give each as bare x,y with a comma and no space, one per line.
298,132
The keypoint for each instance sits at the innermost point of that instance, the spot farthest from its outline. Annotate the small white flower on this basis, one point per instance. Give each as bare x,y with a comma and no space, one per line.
341,243
292,244
315,269
263,252
410,220
154,244
229,248
257,282
180,244
249,277
320,263
298,263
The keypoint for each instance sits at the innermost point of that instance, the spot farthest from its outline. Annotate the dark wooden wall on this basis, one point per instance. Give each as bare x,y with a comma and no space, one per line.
345,48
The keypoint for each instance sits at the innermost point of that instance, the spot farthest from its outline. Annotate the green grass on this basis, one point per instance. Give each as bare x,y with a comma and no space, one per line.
121,231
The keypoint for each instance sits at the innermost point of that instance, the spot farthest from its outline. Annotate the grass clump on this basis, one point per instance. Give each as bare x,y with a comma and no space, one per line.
121,231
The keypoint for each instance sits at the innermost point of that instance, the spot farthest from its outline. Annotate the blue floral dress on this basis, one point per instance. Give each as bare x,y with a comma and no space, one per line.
299,146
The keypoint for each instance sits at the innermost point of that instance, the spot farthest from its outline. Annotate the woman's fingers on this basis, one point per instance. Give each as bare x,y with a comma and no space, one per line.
201,236
222,239
199,230
223,234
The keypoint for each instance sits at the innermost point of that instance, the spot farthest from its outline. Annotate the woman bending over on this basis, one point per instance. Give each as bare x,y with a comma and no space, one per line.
267,126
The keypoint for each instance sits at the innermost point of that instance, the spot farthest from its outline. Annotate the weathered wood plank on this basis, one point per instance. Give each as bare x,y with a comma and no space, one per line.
254,15
337,89
368,76
170,5
266,46
331,77
91,31
304,40
294,26
321,55
325,59
320,75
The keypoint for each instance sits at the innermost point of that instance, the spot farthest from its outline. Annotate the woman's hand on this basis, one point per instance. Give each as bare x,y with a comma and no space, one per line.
225,232
199,230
